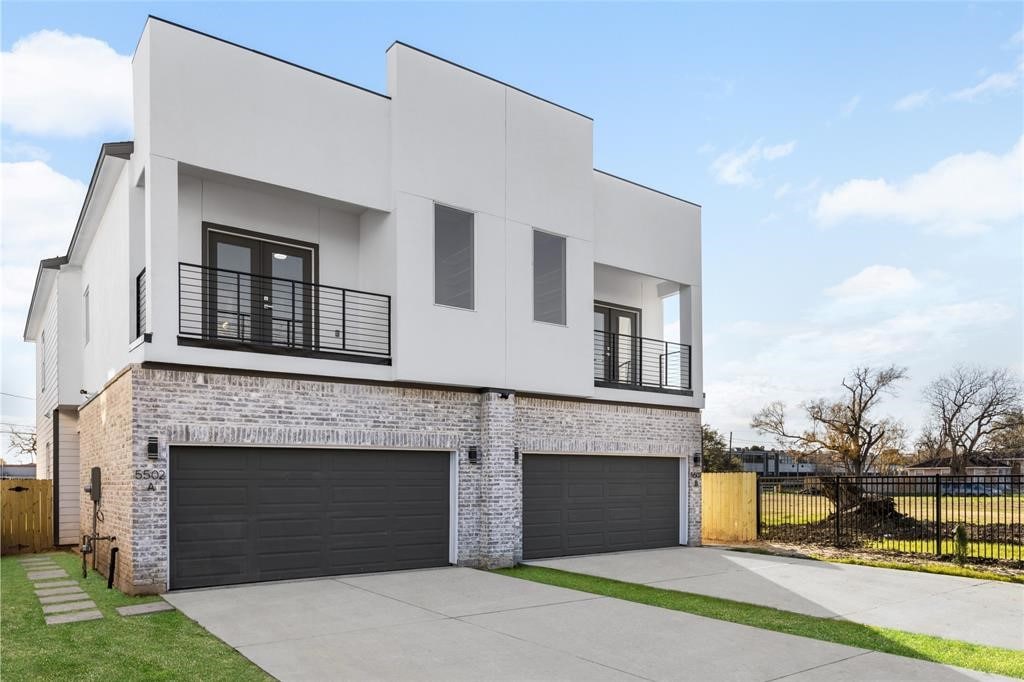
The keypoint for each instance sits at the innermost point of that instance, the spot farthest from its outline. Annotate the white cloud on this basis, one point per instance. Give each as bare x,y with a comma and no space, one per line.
962,194
849,105
797,361
736,168
783,190
13,150
914,100
875,282
994,84
40,208
56,84
1016,39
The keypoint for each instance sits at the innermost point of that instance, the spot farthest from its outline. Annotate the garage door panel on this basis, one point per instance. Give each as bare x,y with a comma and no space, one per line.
282,514
582,504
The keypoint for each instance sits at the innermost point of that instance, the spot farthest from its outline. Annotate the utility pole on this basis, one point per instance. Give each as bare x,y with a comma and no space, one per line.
730,441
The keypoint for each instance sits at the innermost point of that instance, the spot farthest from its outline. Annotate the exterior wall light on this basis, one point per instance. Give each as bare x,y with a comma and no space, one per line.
696,459
473,454
152,448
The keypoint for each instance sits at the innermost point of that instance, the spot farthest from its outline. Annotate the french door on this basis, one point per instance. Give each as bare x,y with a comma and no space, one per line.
259,291
618,343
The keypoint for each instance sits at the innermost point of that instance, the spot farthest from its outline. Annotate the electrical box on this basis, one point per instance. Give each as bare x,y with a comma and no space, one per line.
94,491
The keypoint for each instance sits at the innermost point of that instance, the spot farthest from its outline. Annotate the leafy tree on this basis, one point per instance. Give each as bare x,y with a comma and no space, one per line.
843,432
971,408
716,454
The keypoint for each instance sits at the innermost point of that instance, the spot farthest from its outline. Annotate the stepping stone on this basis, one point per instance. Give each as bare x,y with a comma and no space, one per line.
70,606
39,565
71,589
140,609
36,562
47,584
73,617
54,599
43,575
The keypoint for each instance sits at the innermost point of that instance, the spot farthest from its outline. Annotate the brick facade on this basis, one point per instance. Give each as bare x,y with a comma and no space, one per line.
181,407
105,433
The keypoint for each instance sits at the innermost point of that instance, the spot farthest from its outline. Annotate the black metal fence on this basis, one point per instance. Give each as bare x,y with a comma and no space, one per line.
636,362
227,308
912,514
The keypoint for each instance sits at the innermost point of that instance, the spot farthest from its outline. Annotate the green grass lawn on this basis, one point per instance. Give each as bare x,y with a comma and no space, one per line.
927,647
975,549
159,646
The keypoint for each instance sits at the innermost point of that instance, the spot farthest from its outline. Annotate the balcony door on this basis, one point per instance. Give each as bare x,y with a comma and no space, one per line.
616,333
260,290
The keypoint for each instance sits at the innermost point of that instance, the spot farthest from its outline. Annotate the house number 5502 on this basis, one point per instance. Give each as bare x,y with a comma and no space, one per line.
149,475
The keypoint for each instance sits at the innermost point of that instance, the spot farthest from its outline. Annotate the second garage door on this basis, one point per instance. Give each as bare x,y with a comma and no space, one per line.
582,504
249,514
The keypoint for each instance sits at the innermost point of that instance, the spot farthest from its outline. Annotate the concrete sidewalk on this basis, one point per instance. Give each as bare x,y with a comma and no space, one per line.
462,624
968,609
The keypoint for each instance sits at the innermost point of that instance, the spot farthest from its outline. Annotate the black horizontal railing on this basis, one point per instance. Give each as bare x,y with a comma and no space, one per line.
625,361
230,308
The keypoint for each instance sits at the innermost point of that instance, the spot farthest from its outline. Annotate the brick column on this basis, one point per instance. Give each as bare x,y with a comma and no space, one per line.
501,490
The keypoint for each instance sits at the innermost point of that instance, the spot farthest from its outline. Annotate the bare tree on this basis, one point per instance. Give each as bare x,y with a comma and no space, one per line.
970,407
22,442
843,432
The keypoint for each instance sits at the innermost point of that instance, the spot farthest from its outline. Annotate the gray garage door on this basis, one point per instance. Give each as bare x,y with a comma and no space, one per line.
249,514
575,504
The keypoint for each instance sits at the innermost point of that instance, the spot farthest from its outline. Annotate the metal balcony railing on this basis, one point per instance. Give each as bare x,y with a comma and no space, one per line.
635,362
227,308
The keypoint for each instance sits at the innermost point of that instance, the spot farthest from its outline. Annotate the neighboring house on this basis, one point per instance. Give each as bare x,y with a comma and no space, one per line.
17,470
773,462
977,465
306,329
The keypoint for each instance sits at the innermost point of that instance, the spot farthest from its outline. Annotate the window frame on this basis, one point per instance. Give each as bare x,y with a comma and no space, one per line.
86,317
565,276
472,255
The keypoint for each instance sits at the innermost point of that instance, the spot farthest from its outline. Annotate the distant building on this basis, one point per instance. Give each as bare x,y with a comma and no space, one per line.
773,462
977,465
17,470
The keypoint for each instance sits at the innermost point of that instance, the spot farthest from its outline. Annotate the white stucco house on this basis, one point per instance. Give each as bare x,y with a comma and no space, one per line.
304,328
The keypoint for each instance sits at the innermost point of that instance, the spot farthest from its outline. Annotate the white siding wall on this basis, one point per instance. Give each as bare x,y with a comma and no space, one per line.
47,387
69,484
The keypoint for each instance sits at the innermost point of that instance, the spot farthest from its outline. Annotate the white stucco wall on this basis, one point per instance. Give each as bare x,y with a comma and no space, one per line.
104,273
228,109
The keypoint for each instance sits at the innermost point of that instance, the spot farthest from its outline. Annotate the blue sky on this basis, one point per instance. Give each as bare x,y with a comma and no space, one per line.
859,165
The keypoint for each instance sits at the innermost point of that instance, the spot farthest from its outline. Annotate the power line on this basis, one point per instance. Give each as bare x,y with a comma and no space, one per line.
15,395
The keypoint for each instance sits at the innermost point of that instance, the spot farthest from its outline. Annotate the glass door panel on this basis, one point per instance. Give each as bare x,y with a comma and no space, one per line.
287,300
616,351
232,311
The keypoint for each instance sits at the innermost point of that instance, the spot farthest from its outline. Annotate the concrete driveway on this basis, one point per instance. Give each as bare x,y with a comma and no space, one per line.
981,611
462,624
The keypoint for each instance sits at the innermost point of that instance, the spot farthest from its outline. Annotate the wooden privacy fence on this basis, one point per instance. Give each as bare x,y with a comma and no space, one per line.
729,507
26,515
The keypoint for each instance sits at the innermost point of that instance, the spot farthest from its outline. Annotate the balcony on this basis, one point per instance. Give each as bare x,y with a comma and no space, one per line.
641,364
235,310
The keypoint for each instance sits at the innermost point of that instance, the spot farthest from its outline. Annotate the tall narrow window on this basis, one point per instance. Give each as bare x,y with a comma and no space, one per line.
453,257
548,278
42,361
85,314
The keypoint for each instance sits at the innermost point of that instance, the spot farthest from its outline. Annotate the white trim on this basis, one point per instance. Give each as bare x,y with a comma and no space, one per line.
453,509
169,529
684,501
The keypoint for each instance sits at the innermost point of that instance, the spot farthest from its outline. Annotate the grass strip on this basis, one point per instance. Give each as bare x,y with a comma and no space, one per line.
926,567
925,647
940,569
158,646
